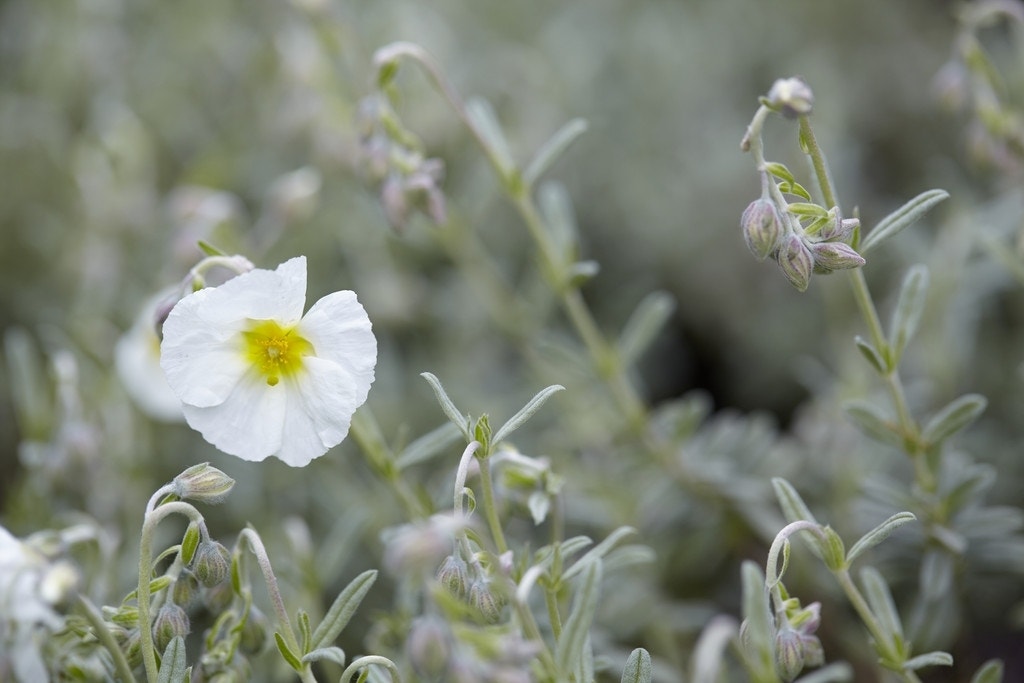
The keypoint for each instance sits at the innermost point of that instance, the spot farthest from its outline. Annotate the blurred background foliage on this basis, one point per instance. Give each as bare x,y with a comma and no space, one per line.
128,130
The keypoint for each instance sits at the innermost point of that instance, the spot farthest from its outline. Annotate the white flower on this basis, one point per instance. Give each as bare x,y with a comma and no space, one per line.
257,378
137,359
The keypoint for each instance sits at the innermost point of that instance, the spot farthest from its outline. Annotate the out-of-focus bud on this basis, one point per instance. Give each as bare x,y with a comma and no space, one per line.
254,632
485,600
791,96
950,86
762,228
171,622
185,590
453,575
413,549
212,563
789,654
796,262
835,256
203,483
218,598
429,648
132,648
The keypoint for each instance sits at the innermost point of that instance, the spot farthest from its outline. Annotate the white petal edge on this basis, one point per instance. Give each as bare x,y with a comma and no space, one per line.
248,423
339,330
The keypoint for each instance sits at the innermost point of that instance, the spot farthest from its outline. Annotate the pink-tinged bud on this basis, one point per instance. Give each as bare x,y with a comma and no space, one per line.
789,654
454,576
836,256
762,228
486,601
791,96
171,622
796,262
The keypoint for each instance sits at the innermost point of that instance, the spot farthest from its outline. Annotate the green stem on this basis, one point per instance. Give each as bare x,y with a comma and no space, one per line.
490,509
370,660
145,574
106,638
366,432
532,631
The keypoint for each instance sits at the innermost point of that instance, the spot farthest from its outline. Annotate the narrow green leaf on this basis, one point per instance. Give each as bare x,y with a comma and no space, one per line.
936,574
341,611
882,604
429,445
837,672
599,551
709,651
556,207
644,325
210,250
326,654
878,534
759,640
780,171
189,543
909,306
450,411
834,550
173,666
793,506
870,419
526,412
807,209
481,114
871,353
989,672
286,652
573,639
902,218
553,149
960,413
937,658
305,630
638,667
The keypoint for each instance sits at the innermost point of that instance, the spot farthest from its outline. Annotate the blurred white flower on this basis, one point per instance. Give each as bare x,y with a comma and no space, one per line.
137,359
30,587
257,378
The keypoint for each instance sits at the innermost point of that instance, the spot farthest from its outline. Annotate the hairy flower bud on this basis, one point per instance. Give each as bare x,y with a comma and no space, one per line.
453,575
835,256
789,654
219,597
212,563
762,228
203,483
171,622
486,601
185,589
791,96
796,262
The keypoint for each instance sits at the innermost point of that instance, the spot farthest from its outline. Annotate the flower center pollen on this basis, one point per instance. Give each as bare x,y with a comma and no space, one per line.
275,351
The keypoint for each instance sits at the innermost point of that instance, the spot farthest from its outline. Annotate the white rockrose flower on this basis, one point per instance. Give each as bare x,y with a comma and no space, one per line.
256,377
137,359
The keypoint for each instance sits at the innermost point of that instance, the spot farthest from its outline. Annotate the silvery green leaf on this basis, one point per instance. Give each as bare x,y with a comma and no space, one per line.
909,306
556,208
989,672
709,652
878,534
304,630
882,604
585,666
792,504
870,419
553,149
481,114
341,611
526,412
958,414
833,673
871,354
571,643
629,555
644,325
173,667
450,411
326,654
758,631
928,659
638,667
936,574
427,446
903,217
599,551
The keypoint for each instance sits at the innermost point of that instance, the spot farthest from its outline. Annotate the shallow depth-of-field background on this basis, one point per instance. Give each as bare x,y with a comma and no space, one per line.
131,129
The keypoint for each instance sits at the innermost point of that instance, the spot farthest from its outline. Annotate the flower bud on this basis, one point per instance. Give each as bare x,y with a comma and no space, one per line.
762,228
203,483
791,96
429,648
218,598
835,256
796,262
789,654
171,622
254,632
486,602
132,648
454,577
185,590
212,563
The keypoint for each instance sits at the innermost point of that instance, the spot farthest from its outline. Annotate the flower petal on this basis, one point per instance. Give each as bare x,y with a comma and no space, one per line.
248,423
319,412
339,330
260,295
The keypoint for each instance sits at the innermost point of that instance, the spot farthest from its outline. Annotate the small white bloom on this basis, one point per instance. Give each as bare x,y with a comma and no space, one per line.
257,378
137,359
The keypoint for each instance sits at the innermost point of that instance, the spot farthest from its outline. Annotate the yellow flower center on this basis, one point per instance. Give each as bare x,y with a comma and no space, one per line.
274,350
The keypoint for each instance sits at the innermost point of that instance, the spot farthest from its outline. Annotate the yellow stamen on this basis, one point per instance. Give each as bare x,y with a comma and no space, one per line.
274,350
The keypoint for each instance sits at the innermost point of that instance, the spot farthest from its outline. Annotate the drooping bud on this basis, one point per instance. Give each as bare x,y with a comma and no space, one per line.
835,256
789,654
212,563
185,589
485,600
219,597
796,262
791,96
762,228
203,483
453,575
171,622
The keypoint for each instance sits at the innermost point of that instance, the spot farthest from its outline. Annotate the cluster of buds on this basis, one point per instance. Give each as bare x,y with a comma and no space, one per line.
819,247
470,584
393,160
796,645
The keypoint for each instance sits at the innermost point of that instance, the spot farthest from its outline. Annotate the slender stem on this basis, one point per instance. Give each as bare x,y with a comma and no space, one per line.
490,509
532,631
145,573
106,638
283,622
366,432
817,156
370,660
